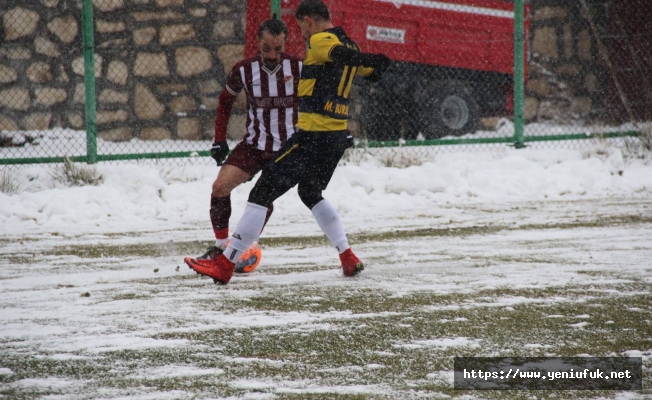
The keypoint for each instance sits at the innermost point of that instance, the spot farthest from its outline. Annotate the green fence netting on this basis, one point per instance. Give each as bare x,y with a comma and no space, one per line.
115,79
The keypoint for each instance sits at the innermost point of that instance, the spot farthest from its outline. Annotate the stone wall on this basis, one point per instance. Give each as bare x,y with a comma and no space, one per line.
567,77
159,65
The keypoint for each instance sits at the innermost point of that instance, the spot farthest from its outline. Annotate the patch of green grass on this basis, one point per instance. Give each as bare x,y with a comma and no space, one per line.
339,351
152,250
349,335
44,367
9,183
131,296
149,250
72,174
329,396
365,337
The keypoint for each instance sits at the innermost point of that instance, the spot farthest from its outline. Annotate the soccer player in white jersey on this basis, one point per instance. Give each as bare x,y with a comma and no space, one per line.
270,80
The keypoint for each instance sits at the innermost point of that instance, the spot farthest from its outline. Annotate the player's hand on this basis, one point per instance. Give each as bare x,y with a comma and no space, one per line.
349,141
379,62
219,151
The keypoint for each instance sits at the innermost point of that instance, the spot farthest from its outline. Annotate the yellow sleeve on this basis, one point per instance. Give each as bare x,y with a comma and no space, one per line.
365,71
321,45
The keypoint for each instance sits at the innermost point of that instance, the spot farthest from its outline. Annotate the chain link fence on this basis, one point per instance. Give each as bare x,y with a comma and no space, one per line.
587,61
160,65
41,80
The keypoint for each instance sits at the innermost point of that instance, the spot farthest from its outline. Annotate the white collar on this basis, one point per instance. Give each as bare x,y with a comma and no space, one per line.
268,71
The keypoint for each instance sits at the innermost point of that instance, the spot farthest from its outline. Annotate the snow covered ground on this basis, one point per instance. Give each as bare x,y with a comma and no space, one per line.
496,253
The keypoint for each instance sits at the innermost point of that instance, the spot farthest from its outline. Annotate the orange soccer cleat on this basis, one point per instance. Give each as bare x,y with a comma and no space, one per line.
351,265
220,268
210,264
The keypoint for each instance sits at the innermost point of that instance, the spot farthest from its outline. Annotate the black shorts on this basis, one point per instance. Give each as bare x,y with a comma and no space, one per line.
307,159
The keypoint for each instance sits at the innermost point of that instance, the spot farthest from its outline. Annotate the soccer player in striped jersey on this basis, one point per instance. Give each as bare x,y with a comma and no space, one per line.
270,80
309,158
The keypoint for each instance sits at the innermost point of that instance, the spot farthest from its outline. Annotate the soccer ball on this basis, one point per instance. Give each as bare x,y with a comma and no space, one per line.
249,259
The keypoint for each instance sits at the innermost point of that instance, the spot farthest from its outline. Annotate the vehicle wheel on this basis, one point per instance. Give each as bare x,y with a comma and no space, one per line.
448,109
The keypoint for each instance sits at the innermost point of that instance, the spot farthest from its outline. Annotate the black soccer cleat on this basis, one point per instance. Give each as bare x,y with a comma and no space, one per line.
212,253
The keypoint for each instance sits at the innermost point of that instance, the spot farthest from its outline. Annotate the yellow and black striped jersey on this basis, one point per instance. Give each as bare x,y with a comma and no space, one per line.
325,84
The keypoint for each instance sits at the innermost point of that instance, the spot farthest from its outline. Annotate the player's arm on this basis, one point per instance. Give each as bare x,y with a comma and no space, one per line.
223,114
364,71
220,149
372,65
326,47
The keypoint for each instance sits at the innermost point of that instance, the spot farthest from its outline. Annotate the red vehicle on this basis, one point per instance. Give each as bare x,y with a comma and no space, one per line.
453,61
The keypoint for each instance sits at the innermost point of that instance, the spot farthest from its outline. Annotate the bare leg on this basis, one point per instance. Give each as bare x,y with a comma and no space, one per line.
228,179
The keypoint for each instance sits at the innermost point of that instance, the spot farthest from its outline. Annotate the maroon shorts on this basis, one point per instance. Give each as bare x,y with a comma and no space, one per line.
248,158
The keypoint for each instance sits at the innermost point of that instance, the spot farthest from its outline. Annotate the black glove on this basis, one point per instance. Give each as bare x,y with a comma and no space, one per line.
219,151
379,62
349,141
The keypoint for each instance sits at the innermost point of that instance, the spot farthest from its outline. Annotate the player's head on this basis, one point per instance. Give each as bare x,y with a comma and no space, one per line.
271,41
311,15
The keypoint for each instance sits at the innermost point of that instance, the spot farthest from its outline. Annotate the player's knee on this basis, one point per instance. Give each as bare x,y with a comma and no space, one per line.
309,196
220,189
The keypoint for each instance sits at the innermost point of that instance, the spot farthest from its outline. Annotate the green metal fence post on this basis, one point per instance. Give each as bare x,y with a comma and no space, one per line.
519,76
89,81
276,9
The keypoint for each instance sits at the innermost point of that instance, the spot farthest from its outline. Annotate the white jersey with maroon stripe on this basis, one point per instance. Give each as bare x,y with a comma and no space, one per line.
272,103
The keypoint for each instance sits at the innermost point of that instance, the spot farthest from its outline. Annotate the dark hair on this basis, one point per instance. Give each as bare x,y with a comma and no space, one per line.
314,9
274,27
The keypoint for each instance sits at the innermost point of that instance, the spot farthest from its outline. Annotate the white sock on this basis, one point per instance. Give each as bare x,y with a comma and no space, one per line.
247,231
221,243
330,223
